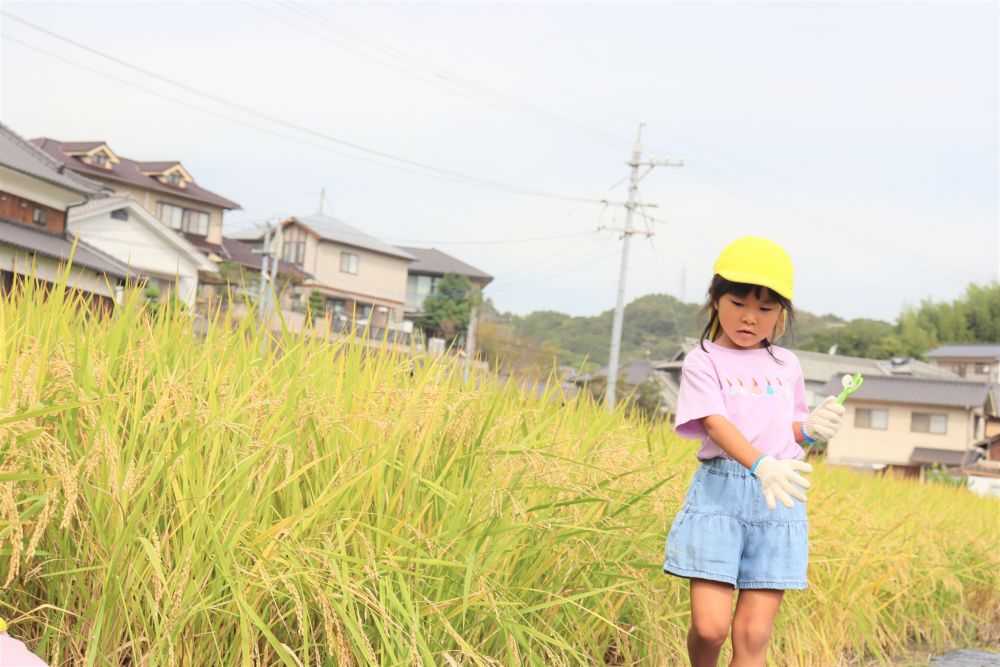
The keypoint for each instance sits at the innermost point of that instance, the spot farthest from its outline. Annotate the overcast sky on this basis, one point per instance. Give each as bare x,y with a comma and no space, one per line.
861,136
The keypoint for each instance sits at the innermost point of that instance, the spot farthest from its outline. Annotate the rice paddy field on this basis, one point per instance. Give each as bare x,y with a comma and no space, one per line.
238,498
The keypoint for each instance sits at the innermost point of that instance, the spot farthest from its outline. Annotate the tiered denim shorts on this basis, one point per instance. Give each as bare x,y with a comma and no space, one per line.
725,532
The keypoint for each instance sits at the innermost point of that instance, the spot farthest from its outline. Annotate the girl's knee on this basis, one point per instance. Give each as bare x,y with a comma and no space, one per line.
710,632
752,636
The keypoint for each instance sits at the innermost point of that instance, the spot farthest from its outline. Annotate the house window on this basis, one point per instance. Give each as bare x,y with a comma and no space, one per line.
38,216
196,222
867,418
170,215
419,287
293,252
119,214
99,160
921,422
185,219
982,369
959,370
349,262
174,179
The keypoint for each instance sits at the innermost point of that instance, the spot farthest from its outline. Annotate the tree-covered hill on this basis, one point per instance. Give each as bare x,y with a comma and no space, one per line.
655,325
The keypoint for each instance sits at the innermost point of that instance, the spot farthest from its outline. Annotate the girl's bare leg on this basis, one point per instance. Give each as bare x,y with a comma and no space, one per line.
711,613
756,610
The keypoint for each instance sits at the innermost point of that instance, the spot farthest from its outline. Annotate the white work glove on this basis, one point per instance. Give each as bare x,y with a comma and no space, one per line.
824,422
781,479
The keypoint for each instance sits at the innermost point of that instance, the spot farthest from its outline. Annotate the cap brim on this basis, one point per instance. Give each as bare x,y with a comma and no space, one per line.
754,279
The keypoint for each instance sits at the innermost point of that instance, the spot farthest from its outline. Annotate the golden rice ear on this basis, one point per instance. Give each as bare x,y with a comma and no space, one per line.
713,332
779,326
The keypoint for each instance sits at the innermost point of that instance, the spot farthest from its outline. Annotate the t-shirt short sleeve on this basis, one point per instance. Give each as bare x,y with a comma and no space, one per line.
700,395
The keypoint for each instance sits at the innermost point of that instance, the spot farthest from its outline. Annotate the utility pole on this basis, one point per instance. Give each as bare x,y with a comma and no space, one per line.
630,205
263,289
322,200
276,251
470,340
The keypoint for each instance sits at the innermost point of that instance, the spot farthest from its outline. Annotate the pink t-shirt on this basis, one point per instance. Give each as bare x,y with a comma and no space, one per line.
760,396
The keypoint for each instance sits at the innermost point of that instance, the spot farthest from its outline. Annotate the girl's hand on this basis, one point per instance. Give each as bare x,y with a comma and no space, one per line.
824,422
781,480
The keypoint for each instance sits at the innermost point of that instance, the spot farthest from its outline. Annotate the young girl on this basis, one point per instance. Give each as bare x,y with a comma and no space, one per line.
743,524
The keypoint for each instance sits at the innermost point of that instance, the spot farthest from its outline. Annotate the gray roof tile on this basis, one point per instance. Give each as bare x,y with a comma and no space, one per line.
331,229
59,247
21,155
948,457
130,172
920,391
434,262
966,350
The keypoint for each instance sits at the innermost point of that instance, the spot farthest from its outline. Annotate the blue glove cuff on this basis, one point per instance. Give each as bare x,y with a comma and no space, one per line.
753,468
806,435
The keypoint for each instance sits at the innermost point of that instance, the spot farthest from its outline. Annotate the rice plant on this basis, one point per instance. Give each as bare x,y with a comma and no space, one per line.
183,494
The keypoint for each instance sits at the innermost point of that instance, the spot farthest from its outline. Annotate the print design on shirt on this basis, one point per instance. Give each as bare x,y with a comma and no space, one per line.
780,387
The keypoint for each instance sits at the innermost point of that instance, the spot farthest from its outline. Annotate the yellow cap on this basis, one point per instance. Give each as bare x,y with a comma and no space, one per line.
757,261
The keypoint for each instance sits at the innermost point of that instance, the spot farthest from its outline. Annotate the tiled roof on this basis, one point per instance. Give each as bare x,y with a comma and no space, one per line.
331,229
157,166
919,391
130,172
433,261
966,350
21,155
818,366
202,244
948,457
81,146
58,247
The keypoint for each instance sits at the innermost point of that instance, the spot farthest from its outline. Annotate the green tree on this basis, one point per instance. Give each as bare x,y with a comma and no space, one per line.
315,305
447,310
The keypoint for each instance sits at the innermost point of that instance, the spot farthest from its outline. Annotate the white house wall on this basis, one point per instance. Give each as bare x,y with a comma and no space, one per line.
135,244
20,262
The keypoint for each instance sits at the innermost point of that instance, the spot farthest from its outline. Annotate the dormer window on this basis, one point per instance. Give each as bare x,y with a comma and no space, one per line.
99,160
174,179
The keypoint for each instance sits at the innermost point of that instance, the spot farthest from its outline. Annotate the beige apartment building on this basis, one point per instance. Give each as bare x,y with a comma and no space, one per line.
164,188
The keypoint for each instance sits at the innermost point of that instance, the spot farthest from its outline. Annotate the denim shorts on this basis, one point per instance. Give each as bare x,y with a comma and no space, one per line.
725,532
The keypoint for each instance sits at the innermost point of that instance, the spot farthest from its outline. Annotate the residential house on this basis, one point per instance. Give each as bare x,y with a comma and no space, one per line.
430,266
123,229
361,278
973,361
164,188
907,424
36,193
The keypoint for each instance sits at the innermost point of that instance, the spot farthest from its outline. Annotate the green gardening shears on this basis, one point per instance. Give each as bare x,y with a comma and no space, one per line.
851,384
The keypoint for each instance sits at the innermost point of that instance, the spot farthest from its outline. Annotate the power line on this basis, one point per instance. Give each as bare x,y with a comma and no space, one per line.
559,270
441,76
821,224
220,100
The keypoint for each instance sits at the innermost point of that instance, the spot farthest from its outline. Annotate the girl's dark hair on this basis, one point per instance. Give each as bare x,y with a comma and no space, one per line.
720,287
